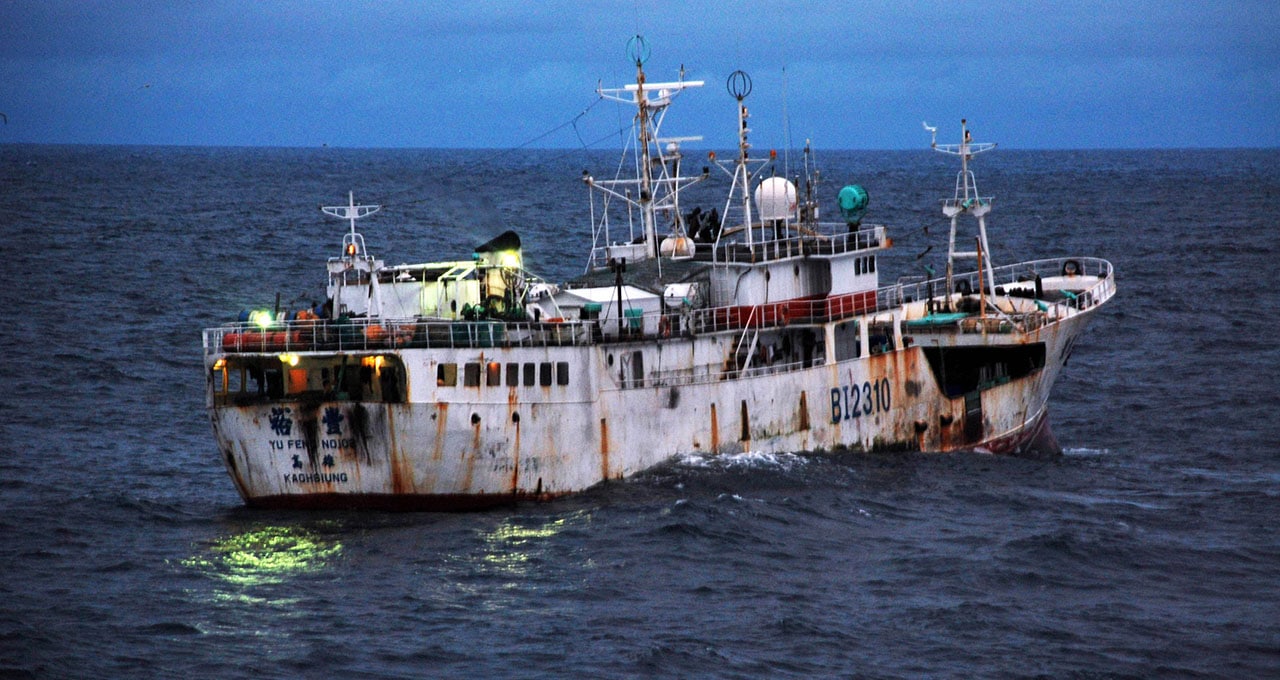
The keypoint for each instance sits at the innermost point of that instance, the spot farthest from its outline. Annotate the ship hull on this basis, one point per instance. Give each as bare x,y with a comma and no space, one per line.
468,447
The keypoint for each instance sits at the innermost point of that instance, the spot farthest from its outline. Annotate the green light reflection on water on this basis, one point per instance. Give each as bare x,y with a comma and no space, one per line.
265,555
510,546
254,572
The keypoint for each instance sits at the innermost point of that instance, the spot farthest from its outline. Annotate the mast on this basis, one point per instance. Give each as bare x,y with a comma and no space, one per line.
352,242
739,85
640,53
966,201
354,256
658,181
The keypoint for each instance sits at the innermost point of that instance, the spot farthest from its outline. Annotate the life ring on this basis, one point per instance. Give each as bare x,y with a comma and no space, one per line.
1070,268
963,287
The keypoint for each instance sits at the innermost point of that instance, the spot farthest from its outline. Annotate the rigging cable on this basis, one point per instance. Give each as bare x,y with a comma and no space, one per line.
571,122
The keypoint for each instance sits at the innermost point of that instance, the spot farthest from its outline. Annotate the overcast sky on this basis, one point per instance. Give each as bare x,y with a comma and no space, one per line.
856,75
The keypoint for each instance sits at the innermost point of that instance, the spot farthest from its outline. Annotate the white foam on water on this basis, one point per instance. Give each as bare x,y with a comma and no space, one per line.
1085,452
747,459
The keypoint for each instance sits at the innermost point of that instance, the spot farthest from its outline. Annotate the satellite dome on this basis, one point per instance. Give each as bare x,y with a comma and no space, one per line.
776,199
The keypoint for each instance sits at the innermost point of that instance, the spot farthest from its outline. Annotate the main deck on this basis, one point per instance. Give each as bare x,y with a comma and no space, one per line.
1060,295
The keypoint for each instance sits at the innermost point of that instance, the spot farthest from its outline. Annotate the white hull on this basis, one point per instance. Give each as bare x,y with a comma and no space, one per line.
453,447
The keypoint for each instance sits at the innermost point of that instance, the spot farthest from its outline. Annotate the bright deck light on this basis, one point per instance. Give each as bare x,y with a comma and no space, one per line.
260,318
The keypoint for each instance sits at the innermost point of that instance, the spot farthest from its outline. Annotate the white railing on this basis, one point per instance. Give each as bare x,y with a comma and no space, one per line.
832,243
707,373
377,334
1097,291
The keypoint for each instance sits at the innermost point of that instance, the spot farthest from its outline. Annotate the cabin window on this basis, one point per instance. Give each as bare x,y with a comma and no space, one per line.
544,374
880,338
562,373
218,379
857,265
493,374
273,380
871,262
228,380
848,341
390,385
288,378
513,375
471,375
530,374
447,375
637,369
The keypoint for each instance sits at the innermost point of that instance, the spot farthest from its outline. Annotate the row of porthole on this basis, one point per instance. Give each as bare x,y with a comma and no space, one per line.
515,418
491,374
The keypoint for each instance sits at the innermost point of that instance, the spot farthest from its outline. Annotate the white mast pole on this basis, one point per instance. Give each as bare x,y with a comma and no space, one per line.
639,52
739,85
966,201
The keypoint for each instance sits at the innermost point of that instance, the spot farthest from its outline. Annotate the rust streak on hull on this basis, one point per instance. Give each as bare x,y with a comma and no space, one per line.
715,430
604,448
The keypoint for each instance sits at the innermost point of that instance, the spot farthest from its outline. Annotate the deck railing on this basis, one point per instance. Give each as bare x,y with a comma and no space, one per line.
1081,298
830,240
706,373
870,236
357,335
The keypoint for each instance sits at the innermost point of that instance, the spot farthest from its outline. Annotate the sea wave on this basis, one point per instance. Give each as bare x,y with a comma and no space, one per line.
1085,452
784,461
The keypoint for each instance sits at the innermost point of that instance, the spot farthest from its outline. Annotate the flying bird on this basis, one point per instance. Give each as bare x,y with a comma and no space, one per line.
932,131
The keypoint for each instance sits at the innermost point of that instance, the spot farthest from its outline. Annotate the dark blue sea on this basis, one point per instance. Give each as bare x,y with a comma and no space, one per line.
1149,549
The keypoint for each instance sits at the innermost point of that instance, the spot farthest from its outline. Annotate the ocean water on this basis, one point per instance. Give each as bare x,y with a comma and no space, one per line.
1149,549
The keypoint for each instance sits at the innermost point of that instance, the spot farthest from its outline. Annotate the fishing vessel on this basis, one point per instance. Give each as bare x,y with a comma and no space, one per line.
753,326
